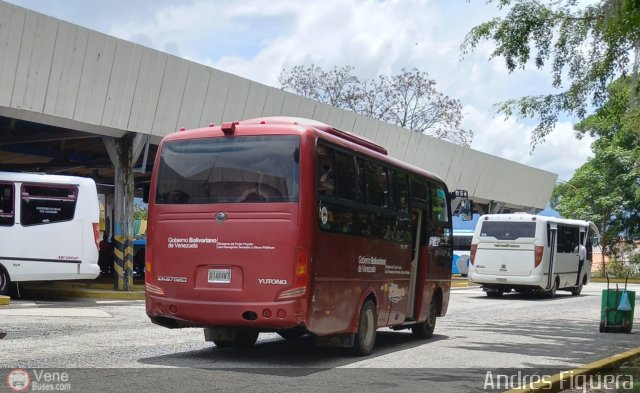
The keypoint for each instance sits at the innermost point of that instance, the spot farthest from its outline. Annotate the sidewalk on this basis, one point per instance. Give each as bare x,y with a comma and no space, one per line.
101,288
461,282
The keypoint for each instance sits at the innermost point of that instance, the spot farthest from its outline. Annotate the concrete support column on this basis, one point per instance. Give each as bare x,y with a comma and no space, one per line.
495,207
123,153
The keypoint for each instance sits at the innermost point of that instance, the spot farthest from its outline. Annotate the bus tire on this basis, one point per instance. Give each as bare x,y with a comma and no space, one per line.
365,338
243,339
494,293
426,328
293,333
575,291
5,281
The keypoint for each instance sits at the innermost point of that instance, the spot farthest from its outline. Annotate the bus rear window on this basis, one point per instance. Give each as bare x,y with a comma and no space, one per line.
250,169
508,230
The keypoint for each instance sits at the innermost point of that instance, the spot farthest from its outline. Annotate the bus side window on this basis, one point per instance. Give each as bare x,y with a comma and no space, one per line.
7,215
439,209
377,184
403,192
345,176
46,204
325,173
360,184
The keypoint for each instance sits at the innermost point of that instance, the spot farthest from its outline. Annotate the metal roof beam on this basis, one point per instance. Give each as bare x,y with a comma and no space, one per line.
45,137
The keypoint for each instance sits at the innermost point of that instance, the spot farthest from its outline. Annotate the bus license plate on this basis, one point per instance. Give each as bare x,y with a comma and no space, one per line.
220,275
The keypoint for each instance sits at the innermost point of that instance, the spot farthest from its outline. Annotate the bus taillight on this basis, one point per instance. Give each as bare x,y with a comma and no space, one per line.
301,279
538,256
472,257
96,234
148,260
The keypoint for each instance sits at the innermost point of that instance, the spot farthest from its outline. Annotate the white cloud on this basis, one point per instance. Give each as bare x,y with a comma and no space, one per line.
562,153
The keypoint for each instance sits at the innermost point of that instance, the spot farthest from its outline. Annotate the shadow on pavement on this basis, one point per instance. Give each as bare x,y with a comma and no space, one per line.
281,357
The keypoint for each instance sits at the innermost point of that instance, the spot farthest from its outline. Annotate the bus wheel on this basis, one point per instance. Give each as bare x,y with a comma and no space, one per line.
494,293
293,333
367,326
241,339
5,281
425,329
575,291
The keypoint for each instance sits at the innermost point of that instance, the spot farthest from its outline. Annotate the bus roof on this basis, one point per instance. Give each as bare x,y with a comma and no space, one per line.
532,217
295,125
44,178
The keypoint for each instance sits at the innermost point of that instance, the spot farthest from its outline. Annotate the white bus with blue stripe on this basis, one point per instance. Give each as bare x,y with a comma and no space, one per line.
49,228
461,251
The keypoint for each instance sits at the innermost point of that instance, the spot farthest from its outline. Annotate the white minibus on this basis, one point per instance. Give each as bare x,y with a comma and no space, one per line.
49,228
529,253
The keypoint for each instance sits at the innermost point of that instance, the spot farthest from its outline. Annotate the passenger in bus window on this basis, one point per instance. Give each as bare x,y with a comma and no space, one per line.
325,172
178,197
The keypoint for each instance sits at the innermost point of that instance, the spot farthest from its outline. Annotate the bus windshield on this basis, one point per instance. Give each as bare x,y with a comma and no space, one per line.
249,169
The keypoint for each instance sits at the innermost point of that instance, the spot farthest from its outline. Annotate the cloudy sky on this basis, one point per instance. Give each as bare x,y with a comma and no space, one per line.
255,39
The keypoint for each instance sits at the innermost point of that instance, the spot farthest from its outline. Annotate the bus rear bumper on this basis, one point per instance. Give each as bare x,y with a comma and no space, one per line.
177,313
493,281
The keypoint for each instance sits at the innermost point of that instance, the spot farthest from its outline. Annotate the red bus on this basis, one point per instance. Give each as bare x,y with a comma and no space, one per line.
289,225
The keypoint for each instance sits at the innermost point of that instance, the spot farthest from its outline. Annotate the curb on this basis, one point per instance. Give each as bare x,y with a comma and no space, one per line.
4,300
557,382
616,280
85,293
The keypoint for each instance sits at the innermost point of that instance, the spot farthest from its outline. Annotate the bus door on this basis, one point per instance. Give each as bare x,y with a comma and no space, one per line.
552,235
417,223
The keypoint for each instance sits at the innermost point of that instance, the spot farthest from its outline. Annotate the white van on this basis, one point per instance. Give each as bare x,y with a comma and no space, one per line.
49,228
529,253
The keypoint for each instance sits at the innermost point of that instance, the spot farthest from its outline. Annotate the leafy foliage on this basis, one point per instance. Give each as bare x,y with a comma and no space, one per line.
140,213
588,45
606,189
408,99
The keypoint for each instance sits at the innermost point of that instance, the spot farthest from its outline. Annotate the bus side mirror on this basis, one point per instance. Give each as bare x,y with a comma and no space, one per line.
460,194
145,192
466,209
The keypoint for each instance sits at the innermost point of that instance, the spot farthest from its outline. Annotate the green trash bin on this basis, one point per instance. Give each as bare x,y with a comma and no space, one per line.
615,319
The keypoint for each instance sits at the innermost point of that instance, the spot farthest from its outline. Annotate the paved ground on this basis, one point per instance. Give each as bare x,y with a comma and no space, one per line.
478,334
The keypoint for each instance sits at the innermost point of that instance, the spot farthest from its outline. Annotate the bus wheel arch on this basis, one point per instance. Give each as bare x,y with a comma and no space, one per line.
369,294
5,281
426,328
437,300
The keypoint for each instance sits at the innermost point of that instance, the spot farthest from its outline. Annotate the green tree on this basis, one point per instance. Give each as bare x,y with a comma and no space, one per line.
140,213
606,189
589,46
408,99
